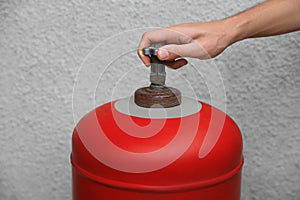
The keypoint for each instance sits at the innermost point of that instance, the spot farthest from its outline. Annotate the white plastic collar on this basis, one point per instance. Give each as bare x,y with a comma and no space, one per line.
187,107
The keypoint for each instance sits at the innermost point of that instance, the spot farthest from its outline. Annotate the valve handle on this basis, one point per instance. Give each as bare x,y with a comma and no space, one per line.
158,73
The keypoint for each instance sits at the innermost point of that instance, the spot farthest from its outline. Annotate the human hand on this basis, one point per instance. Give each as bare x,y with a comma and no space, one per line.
195,40
209,39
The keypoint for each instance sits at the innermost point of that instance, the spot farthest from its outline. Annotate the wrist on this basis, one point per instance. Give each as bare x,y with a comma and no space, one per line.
235,29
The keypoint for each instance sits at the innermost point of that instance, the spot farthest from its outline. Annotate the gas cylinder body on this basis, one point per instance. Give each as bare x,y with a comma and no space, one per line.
189,152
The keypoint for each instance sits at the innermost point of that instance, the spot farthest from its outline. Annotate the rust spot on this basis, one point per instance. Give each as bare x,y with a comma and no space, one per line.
157,97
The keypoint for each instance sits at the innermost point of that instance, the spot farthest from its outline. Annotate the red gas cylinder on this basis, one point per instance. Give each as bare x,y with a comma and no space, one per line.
124,151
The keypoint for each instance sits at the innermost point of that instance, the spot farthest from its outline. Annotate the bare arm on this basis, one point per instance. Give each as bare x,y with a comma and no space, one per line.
272,17
209,39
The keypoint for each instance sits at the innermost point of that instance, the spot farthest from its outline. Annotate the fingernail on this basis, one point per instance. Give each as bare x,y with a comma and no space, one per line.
163,53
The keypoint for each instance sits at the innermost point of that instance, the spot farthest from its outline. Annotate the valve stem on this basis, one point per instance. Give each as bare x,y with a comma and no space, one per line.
158,73
157,94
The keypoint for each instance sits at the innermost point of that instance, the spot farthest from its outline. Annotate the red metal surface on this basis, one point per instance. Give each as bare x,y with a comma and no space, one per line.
217,176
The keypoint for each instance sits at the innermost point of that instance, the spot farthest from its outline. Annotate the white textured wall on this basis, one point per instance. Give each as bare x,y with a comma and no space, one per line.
42,44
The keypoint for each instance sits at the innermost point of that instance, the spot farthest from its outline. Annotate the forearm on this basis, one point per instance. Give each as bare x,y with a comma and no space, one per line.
272,17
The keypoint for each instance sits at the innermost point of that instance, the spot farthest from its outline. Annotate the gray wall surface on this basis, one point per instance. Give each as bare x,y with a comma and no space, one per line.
43,44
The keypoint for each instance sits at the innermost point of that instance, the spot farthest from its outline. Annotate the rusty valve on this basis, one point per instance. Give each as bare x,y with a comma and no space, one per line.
157,94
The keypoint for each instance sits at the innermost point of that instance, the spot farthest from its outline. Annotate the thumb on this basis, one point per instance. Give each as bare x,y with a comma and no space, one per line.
168,52
173,51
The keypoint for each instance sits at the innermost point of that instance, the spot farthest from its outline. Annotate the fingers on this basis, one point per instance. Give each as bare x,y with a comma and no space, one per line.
177,63
166,36
148,38
145,59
